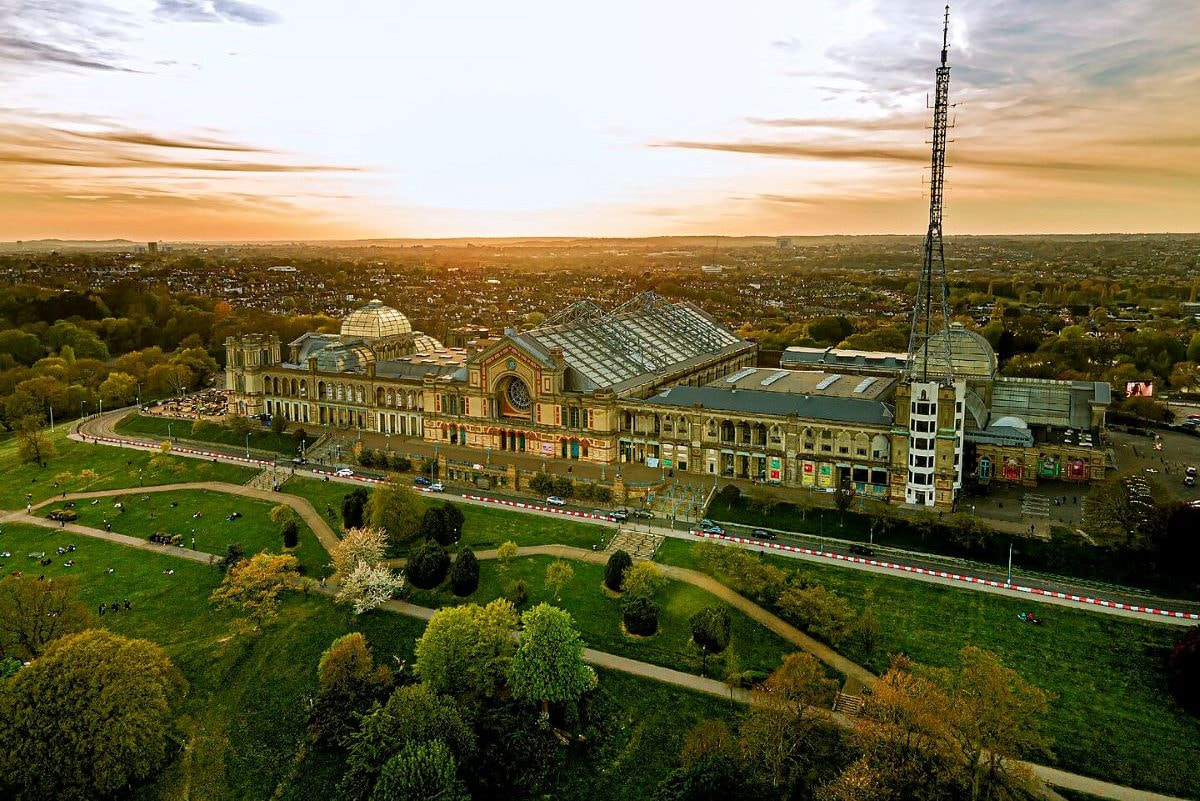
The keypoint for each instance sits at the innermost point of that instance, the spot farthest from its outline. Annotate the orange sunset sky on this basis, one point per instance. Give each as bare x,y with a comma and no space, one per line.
307,119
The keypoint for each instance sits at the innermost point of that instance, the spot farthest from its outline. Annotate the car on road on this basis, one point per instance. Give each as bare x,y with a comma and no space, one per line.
345,472
713,529
554,500
645,514
619,514
437,486
706,522
299,460
421,481
762,534
861,550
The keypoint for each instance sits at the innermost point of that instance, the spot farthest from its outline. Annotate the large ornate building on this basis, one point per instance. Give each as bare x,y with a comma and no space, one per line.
665,385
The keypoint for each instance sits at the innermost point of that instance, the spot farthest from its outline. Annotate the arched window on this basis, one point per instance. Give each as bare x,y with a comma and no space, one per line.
341,391
296,387
843,443
880,448
825,441
862,444
808,440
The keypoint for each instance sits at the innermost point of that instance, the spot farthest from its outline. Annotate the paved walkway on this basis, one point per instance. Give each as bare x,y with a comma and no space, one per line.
302,507
111,536
707,583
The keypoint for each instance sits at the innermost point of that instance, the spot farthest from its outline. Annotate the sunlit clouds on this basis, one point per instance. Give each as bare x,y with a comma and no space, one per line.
215,119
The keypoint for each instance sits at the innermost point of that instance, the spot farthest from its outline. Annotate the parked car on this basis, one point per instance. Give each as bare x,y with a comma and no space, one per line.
861,550
619,514
762,534
706,522
1189,480
713,529
299,460
421,481
345,472
556,501
437,487
645,514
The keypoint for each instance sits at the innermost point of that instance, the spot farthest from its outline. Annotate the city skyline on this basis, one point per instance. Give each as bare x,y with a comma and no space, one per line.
223,120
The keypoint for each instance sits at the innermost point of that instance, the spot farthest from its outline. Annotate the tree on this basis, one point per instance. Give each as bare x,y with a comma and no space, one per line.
710,778
785,718
358,545
435,526
867,629
369,586
118,388
278,423
995,717
281,513
427,565
353,508
816,610
1183,672
614,572
644,579
466,651
558,574
420,771
255,585
843,499
348,683
397,510
33,443
234,553
1193,348
455,519
728,495
34,613
1122,511
412,714
290,531
640,615
464,576
710,629
548,665
505,554
89,718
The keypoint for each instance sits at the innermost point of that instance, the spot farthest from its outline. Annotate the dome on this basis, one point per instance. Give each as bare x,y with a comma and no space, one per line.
375,321
1011,421
971,356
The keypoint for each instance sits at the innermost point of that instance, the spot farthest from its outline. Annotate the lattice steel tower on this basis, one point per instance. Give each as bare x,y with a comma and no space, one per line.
932,295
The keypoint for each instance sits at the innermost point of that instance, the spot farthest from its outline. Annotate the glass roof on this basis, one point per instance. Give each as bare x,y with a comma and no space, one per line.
375,321
970,354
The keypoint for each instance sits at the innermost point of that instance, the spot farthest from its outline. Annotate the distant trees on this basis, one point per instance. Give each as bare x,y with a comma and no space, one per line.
90,718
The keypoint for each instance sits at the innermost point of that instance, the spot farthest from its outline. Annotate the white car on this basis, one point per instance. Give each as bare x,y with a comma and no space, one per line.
345,472
437,487
556,501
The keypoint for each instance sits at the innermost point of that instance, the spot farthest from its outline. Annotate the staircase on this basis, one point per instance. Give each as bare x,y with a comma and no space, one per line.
638,544
264,480
848,705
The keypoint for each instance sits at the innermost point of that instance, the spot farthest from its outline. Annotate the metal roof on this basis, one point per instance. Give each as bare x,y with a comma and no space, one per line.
781,404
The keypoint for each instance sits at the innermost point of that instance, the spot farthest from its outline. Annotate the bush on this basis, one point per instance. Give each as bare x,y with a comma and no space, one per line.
291,533
614,572
640,615
516,592
353,506
464,578
300,435
710,628
278,424
1184,670
818,611
728,495
400,463
234,554
542,484
436,526
427,565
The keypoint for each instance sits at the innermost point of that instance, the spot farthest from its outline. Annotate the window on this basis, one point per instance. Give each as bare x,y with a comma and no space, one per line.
573,417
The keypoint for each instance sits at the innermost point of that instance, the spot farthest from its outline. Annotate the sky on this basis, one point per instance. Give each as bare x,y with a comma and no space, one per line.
306,119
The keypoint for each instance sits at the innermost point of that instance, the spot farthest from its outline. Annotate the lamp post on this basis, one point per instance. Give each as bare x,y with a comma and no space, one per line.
169,434
1009,579
82,403
139,394
247,444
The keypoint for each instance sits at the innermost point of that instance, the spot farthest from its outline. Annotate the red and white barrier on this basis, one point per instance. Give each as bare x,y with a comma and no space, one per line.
1147,610
129,443
538,508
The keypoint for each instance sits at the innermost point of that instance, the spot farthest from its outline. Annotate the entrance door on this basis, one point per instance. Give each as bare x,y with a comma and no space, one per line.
574,449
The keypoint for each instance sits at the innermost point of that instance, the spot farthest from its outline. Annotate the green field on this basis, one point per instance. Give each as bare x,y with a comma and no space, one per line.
115,468
262,439
1113,717
244,719
597,615
171,512
483,527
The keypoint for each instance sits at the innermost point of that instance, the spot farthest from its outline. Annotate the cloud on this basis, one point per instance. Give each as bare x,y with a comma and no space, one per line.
150,140
75,34
214,11
824,152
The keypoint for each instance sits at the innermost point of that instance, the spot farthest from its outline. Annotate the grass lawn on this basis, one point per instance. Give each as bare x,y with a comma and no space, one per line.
1113,717
484,527
171,513
262,439
244,720
597,615
115,468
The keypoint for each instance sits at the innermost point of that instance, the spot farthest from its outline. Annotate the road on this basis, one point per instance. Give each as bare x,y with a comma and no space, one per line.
920,567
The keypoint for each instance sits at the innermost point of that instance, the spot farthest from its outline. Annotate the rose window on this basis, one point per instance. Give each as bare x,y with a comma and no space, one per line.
518,394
